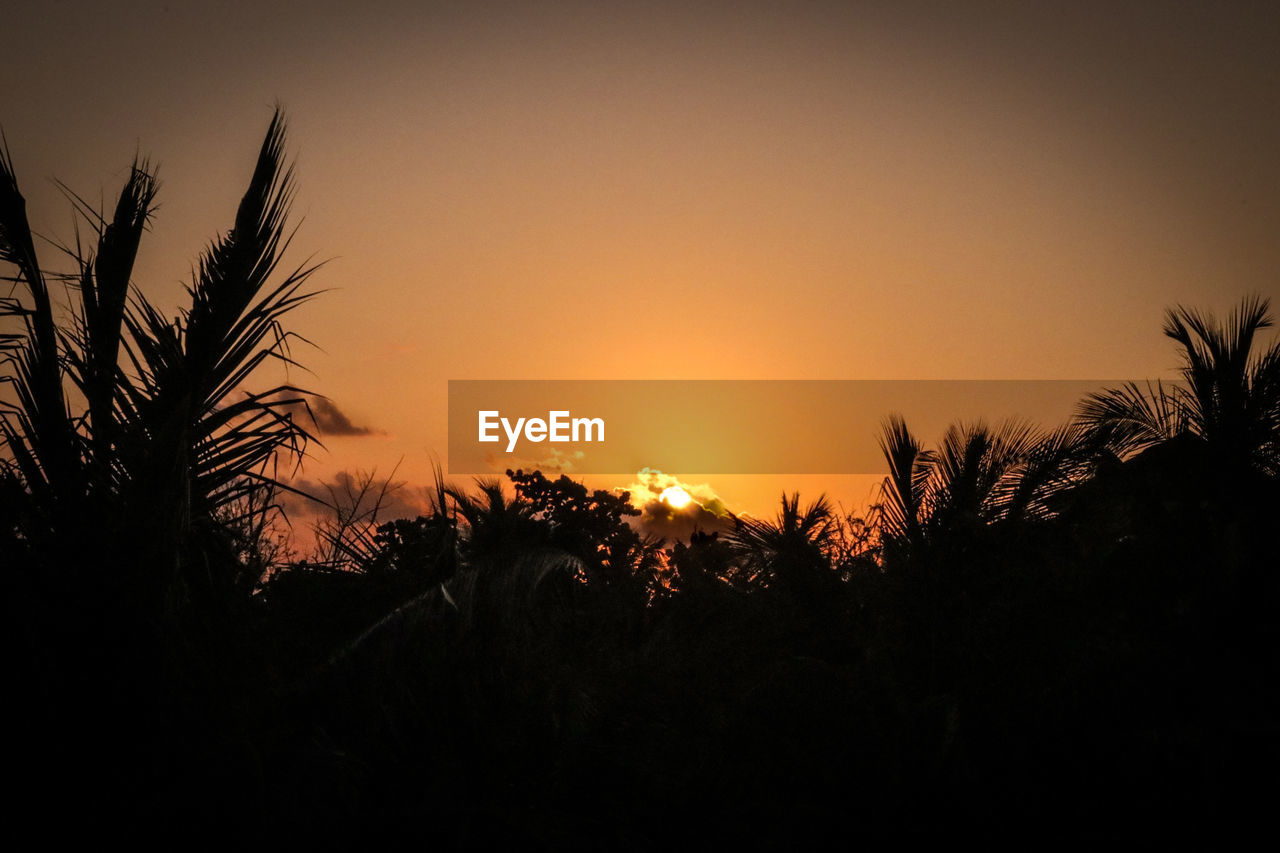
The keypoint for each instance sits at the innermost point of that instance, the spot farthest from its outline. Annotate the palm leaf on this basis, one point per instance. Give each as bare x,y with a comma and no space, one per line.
1131,418
51,446
196,446
905,492
104,287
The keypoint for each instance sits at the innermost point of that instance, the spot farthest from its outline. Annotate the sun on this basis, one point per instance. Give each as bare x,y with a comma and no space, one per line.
675,497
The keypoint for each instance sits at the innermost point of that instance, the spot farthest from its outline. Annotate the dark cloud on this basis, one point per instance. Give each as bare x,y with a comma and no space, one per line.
363,498
331,421
360,494
661,519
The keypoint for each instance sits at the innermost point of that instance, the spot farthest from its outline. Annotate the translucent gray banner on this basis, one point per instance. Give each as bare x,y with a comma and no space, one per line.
724,426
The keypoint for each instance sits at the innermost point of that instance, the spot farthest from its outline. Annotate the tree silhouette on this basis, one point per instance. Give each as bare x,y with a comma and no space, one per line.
978,476
496,524
137,468
1230,400
789,548
591,525
173,438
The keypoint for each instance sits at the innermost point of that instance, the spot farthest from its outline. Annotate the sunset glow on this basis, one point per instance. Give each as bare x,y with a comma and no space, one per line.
896,191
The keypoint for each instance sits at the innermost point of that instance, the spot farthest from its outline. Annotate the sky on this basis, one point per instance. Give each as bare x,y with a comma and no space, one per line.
904,190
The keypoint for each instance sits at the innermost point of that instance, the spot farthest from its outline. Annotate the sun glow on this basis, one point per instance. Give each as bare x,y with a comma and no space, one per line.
675,497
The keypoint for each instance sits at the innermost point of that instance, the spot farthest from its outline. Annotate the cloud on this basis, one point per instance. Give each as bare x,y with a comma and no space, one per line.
706,511
331,421
358,494
363,493
555,461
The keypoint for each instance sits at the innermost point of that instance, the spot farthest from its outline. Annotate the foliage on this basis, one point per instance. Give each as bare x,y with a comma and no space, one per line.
1229,397
792,544
588,524
170,439
978,476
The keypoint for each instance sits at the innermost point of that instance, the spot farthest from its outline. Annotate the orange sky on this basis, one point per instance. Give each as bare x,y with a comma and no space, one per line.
661,190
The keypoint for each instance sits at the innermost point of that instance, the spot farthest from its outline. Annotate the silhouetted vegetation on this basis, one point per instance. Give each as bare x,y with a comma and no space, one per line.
1036,635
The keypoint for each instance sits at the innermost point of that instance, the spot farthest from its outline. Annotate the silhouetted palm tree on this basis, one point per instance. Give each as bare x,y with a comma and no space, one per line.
495,524
173,438
788,546
49,457
1230,399
977,476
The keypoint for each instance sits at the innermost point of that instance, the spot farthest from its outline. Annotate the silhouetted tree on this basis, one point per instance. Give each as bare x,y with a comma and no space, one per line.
1230,399
978,476
131,519
591,525
789,548
175,437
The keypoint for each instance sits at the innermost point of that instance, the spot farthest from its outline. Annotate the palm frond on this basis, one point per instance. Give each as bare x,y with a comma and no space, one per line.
904,493
1131,418
197,443
793,531
1052,463
51,446
93,353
